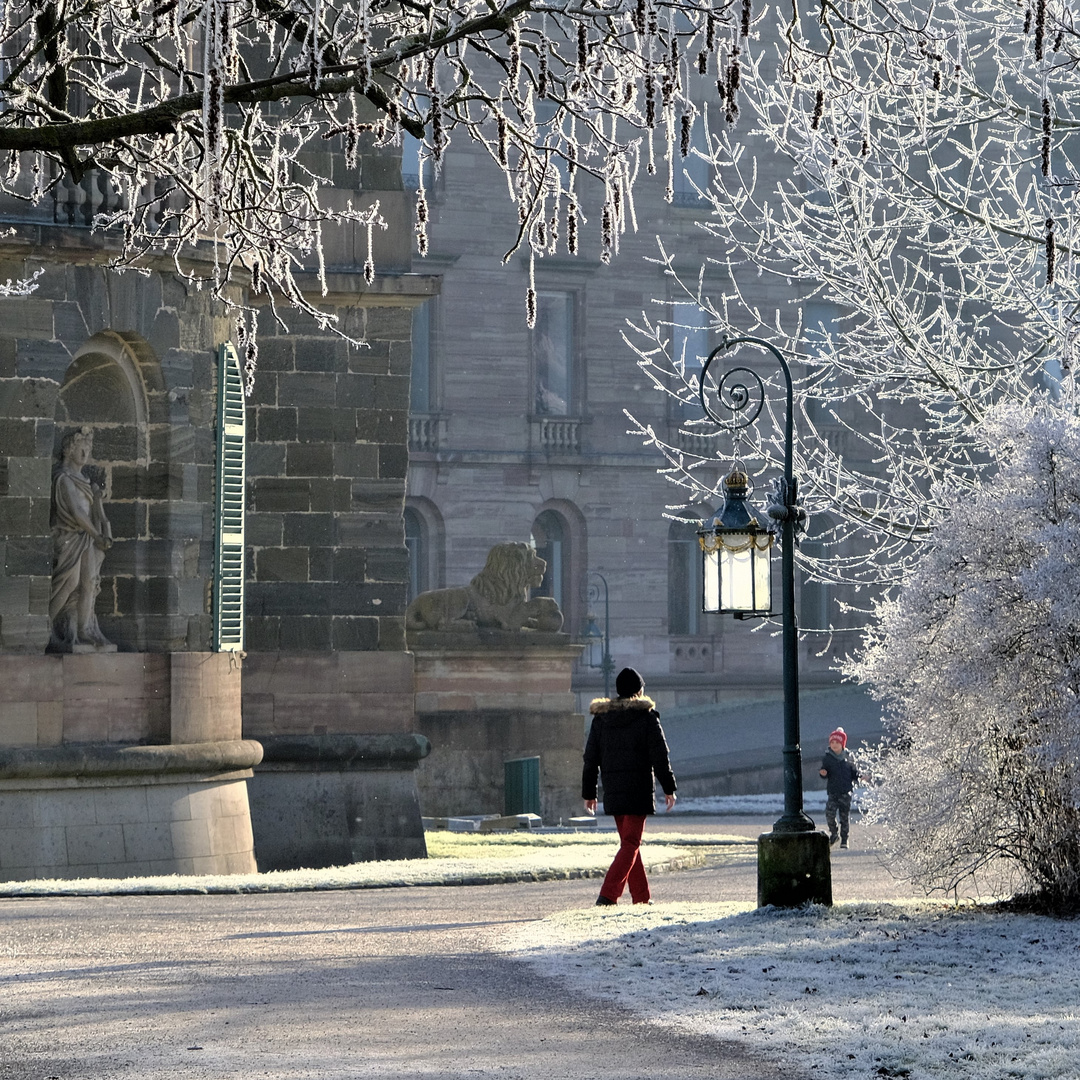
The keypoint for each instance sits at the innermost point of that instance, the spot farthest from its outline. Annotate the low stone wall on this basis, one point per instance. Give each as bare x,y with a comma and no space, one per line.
99,810
331,800
486,697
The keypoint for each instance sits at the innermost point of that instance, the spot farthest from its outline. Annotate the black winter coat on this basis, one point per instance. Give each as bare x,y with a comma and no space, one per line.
842,773
626,746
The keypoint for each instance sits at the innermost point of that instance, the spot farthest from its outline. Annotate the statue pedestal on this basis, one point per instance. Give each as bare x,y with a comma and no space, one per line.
484,697
123,764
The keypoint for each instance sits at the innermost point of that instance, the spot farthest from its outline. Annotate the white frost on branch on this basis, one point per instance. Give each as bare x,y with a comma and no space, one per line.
977,663
907,175
219,125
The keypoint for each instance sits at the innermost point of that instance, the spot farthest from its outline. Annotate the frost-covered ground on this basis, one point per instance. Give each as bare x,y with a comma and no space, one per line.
764,805
456,859
917,989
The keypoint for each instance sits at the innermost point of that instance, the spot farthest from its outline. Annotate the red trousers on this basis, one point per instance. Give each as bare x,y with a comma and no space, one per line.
627,867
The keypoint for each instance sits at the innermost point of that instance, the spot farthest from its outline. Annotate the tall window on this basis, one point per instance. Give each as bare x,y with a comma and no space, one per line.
689,348
684,579
553,353
549,536
421,398
418,555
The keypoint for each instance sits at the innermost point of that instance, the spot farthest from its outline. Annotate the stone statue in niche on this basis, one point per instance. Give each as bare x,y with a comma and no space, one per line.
498,597
81,536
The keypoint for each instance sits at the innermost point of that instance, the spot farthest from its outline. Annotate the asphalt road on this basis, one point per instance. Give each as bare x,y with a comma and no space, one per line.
389,983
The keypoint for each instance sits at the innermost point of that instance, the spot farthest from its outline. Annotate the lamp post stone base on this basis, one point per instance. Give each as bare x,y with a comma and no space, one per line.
794,869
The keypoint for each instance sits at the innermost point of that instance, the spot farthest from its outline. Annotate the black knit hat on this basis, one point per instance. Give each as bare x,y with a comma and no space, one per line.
628,682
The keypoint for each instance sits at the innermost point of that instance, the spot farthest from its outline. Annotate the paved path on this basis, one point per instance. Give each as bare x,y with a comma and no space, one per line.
392,983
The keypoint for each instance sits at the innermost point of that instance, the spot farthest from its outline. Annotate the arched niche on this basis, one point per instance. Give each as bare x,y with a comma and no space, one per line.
114,387
104,389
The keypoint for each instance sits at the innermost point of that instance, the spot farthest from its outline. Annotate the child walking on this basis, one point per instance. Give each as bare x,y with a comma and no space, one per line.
838,768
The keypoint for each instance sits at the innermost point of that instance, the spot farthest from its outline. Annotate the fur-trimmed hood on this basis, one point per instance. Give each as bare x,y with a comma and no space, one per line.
606,705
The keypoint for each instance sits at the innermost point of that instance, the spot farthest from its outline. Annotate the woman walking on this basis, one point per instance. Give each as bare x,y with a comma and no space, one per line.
626,746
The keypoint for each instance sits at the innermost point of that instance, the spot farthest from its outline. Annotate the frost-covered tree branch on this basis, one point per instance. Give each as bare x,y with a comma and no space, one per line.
217,121
907,173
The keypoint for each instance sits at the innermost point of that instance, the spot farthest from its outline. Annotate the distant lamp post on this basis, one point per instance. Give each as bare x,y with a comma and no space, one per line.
597,641
793,860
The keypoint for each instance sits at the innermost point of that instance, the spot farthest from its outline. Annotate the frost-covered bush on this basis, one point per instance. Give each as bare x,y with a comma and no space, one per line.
977,663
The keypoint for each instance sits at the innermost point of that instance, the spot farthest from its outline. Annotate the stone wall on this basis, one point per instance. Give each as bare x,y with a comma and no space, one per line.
489,697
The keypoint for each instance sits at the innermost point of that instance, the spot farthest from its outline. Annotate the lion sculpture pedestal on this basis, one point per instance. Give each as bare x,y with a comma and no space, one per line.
493,684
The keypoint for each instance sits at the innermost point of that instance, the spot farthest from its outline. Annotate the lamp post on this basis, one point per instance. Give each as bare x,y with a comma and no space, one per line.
793,860
598,645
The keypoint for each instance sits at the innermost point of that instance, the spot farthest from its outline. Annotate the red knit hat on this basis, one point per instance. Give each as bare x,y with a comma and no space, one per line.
840,734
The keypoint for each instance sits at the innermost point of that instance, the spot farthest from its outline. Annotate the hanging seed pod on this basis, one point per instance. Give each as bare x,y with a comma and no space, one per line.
1027,21
685,124
572,227
530,307
1058,39
710,32
936,80
256,276
744,26
667,91
1046,131
514,43
650,96
607,234
582,47
1051,251
819,110
675,81
251,363
352,144
553,234
1040,28
734,77
654,22
639,16
542,74
503,138
703,62
438,132
865,147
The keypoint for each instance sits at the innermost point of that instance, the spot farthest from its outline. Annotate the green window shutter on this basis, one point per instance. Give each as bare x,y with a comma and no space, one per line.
229,561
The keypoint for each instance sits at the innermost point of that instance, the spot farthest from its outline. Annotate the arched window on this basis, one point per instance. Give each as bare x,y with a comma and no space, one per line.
684,579
416,545
550,535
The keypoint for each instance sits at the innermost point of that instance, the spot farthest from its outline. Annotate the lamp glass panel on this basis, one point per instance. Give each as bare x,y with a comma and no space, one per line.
736,575
763,580
710,592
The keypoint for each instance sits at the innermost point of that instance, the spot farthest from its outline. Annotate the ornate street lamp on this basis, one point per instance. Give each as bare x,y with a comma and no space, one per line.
793,860
736,568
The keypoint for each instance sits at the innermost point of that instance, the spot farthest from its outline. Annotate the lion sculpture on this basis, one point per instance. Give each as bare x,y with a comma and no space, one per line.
497,597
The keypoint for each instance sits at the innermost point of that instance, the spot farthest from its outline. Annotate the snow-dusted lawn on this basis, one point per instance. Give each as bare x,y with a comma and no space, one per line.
918,989
455,859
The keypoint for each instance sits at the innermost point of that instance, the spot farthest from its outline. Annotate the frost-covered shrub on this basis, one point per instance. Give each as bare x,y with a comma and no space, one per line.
977,662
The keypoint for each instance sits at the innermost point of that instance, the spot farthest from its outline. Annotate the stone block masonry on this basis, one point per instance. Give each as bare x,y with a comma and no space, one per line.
486,697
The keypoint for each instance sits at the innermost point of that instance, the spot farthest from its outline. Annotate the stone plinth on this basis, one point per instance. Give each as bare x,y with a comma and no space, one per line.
485,697
121,764
331,800
338,782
